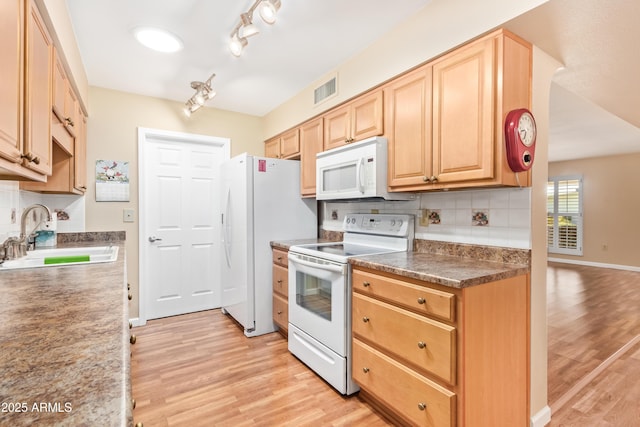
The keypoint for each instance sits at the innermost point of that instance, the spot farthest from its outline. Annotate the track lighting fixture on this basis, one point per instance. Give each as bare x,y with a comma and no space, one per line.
246,28
204,92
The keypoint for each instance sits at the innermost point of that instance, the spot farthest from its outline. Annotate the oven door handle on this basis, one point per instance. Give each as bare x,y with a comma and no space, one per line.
330,267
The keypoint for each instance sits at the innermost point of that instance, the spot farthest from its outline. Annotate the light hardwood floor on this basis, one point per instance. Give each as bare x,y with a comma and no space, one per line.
199,369
593,331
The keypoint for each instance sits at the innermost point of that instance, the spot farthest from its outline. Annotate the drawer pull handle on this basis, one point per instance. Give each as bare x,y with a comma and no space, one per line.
280,312
422,344
279,281
130,297
279,258
366,284
365,370
132,339
365,319
422,406
421,300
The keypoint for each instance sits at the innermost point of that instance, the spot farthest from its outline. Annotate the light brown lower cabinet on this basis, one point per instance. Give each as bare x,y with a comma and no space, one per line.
444,356
281,290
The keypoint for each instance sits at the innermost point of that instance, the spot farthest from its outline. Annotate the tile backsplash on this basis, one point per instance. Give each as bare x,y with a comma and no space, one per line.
493,217
70,209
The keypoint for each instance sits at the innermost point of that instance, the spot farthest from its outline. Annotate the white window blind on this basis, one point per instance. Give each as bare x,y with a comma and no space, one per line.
564,215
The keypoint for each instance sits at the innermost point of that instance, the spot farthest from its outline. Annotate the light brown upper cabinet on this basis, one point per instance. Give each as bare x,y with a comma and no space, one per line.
408,128
80,154
25,48
311,142
11,34
354,121
283,146
453,126
38,82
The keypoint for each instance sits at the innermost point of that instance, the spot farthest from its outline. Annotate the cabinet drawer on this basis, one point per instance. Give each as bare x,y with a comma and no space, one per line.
280,257
281,280
428,345
411,395
422,299
281,312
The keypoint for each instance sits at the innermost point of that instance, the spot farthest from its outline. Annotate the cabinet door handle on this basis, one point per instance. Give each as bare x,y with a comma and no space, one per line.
279,281
422,406
365,370
365,319
130,297
366,284
132,339
31,158
434,178
421,300
426,179
421,344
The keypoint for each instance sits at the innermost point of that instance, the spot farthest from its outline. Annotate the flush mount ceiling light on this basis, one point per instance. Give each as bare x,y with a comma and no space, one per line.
157,39
204,92
246,28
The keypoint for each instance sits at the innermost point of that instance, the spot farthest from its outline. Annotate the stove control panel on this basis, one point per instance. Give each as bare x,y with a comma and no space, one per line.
382,224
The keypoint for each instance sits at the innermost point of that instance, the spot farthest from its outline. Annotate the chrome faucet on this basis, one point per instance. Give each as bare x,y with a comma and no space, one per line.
16,247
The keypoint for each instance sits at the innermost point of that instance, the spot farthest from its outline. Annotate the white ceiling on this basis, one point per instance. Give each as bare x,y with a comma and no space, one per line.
594,101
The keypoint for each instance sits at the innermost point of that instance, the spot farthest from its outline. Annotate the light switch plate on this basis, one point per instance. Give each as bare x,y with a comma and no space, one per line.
127,215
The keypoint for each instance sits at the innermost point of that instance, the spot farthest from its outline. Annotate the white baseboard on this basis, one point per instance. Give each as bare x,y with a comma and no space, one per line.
542,417
595,264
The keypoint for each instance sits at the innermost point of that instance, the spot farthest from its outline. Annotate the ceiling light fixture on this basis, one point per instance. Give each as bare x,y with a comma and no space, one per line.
246,28
157,39
204,92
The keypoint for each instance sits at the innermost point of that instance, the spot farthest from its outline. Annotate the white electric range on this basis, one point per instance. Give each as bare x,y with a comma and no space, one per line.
320,292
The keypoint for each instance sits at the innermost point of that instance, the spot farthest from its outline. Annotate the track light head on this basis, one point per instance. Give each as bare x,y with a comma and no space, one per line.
204,92
268,10
237,44
247,29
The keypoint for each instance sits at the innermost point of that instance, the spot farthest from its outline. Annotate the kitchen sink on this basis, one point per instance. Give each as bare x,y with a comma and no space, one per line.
63,256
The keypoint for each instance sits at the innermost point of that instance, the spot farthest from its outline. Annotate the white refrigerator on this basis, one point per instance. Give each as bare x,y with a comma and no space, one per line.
260,203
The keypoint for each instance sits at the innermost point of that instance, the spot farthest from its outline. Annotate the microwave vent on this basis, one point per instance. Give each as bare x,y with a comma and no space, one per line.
325,91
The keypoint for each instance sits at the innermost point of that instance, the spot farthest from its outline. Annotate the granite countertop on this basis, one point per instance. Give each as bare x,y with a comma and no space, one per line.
64,345
452,271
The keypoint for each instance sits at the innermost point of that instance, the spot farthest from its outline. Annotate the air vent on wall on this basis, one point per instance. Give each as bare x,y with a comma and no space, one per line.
325,91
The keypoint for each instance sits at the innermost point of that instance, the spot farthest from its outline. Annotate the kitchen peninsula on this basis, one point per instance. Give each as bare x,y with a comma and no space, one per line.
64,335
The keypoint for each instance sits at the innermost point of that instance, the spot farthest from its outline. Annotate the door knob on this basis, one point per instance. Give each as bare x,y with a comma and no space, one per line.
154,239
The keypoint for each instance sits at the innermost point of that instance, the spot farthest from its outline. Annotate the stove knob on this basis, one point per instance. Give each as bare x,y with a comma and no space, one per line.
399,223
393,222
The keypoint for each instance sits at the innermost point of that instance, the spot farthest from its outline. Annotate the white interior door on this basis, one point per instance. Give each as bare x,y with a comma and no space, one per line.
180,222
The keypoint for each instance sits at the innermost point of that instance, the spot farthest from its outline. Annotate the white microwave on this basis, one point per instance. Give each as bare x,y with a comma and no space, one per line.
355,171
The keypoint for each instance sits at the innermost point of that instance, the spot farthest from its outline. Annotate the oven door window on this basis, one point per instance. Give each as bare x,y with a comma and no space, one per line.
313,294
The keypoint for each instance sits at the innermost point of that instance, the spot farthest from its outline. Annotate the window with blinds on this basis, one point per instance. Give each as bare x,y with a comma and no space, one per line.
564,215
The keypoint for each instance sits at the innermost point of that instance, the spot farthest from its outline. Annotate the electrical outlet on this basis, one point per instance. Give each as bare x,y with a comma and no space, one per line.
127,215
